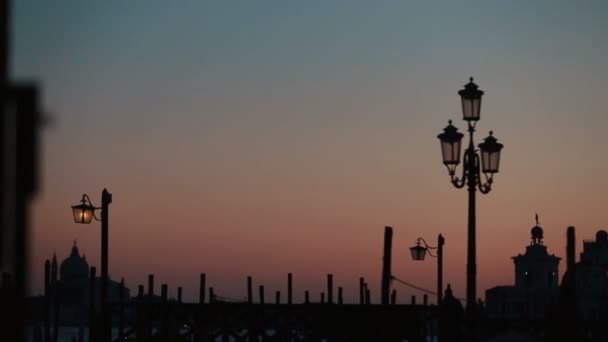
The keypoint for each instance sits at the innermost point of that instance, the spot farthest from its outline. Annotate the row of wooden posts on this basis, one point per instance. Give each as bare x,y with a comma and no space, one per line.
52,298
364,292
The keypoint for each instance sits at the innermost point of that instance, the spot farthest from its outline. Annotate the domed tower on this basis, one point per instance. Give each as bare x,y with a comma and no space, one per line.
536,269
74,269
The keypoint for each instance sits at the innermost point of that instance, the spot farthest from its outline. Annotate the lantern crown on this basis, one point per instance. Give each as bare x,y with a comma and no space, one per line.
471,90
450,134
490,144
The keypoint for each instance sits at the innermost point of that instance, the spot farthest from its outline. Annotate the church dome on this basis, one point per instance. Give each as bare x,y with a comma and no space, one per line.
537,232
74,267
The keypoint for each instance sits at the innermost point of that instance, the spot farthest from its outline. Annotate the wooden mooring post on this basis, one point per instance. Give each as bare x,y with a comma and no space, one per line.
140,319
198,317
150,286
386,265
249,290
165,331
262,294
47,300
201,290
330,288
289,289
361,291
121,308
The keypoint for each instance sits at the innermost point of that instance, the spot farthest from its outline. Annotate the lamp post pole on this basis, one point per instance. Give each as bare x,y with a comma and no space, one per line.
106,199
440,242
472,174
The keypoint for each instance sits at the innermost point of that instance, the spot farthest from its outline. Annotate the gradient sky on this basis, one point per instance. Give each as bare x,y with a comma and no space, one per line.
260,138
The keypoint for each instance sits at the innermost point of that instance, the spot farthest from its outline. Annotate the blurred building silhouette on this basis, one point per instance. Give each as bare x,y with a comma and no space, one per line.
536,284
72,286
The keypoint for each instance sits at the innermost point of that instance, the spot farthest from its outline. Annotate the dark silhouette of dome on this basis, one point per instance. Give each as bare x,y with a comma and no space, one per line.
537,234
74,267
601,236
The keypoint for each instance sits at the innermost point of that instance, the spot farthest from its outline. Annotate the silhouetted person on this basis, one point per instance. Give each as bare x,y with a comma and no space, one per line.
451,318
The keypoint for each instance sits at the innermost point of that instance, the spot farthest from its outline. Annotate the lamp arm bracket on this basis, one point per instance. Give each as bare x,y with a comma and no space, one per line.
87,199
486,186
426,245
460,182
95,216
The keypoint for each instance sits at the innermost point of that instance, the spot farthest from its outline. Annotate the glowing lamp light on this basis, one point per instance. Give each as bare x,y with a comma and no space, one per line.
83,212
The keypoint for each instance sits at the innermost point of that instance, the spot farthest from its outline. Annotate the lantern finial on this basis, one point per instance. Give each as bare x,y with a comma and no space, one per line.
471,79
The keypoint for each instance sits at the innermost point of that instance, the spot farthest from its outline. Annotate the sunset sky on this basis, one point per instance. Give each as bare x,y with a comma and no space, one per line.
265,137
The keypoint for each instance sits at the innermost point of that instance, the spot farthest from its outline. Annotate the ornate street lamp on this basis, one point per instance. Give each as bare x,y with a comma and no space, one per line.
418,253
84,213
470,97
450,146
490,154
471,172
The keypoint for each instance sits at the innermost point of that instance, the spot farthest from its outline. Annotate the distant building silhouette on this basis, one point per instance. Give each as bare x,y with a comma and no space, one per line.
536,284
73,284
586,282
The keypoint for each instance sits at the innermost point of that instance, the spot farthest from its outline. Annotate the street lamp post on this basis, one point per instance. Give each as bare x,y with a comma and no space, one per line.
84,213
471,171
418,252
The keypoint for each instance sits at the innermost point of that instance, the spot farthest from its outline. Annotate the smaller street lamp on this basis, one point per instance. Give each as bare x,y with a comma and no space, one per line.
419,252
85,211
